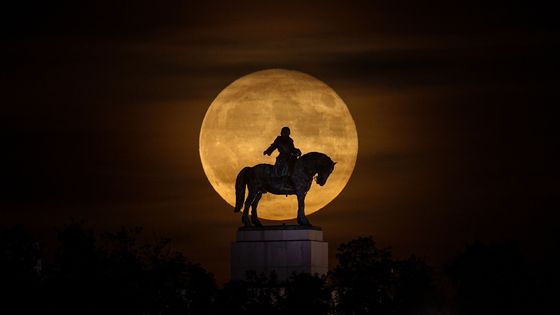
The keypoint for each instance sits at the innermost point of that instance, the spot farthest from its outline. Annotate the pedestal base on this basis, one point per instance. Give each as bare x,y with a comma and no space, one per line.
284,249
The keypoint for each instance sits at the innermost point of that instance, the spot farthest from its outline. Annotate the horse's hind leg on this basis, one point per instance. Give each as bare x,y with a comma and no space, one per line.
254,216
245,217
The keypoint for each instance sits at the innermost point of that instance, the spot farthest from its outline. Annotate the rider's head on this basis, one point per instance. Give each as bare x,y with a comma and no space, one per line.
285,132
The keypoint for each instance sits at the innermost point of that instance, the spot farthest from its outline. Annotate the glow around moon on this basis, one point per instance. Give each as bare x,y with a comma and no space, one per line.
246,117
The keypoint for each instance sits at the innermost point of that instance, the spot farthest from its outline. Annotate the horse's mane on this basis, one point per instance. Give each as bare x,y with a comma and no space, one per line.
316,156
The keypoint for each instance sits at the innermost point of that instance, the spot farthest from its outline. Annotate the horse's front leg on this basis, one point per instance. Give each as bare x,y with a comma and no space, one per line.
301,218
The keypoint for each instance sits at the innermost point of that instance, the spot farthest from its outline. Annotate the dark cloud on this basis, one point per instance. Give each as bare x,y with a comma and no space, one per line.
111,19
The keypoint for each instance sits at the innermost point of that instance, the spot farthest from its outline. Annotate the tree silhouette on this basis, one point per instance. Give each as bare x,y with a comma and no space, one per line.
258,294
122,273
111,274
369,281
21,272
364,278
264,294
415,290
306,294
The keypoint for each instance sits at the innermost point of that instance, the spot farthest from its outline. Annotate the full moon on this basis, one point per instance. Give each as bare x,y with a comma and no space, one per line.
247,116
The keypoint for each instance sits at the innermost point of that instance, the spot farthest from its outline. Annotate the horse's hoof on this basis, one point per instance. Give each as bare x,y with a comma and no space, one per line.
246,223
304,222
256,223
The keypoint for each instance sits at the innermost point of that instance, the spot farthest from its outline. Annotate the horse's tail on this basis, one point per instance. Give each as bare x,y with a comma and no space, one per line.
240,184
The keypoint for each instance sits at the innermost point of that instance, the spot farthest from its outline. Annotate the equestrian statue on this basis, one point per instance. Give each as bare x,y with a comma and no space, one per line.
292,174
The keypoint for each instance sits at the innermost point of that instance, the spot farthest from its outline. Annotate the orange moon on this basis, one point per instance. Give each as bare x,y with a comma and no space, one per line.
248,114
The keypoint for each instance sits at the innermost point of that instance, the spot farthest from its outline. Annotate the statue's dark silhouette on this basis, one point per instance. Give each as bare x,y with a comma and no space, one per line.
262,178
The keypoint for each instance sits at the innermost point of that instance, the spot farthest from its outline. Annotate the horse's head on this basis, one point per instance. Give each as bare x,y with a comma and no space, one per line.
325,171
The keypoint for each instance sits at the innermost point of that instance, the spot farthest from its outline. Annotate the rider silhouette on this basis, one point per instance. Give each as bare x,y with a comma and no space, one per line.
288,153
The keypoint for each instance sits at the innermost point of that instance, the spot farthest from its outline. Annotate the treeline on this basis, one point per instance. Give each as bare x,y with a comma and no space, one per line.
119,273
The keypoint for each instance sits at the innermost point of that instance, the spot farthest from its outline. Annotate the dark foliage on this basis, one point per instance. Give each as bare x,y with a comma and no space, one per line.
369,281
262,294
257,295
21,284
111,275
117,273
306,294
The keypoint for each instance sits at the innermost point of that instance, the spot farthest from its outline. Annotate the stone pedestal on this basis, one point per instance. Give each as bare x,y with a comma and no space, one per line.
283,249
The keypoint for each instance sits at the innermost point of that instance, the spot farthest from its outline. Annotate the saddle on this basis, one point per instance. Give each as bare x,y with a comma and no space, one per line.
283,171
285,166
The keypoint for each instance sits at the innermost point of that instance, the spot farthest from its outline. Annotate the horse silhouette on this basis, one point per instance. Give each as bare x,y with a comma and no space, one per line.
261,179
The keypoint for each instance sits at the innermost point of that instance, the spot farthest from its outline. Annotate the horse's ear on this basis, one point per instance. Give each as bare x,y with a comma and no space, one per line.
334,163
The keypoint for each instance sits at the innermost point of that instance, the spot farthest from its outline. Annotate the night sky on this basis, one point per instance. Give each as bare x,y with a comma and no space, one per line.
102,103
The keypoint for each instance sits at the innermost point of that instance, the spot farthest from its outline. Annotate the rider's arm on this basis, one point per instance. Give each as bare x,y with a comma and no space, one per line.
272,147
